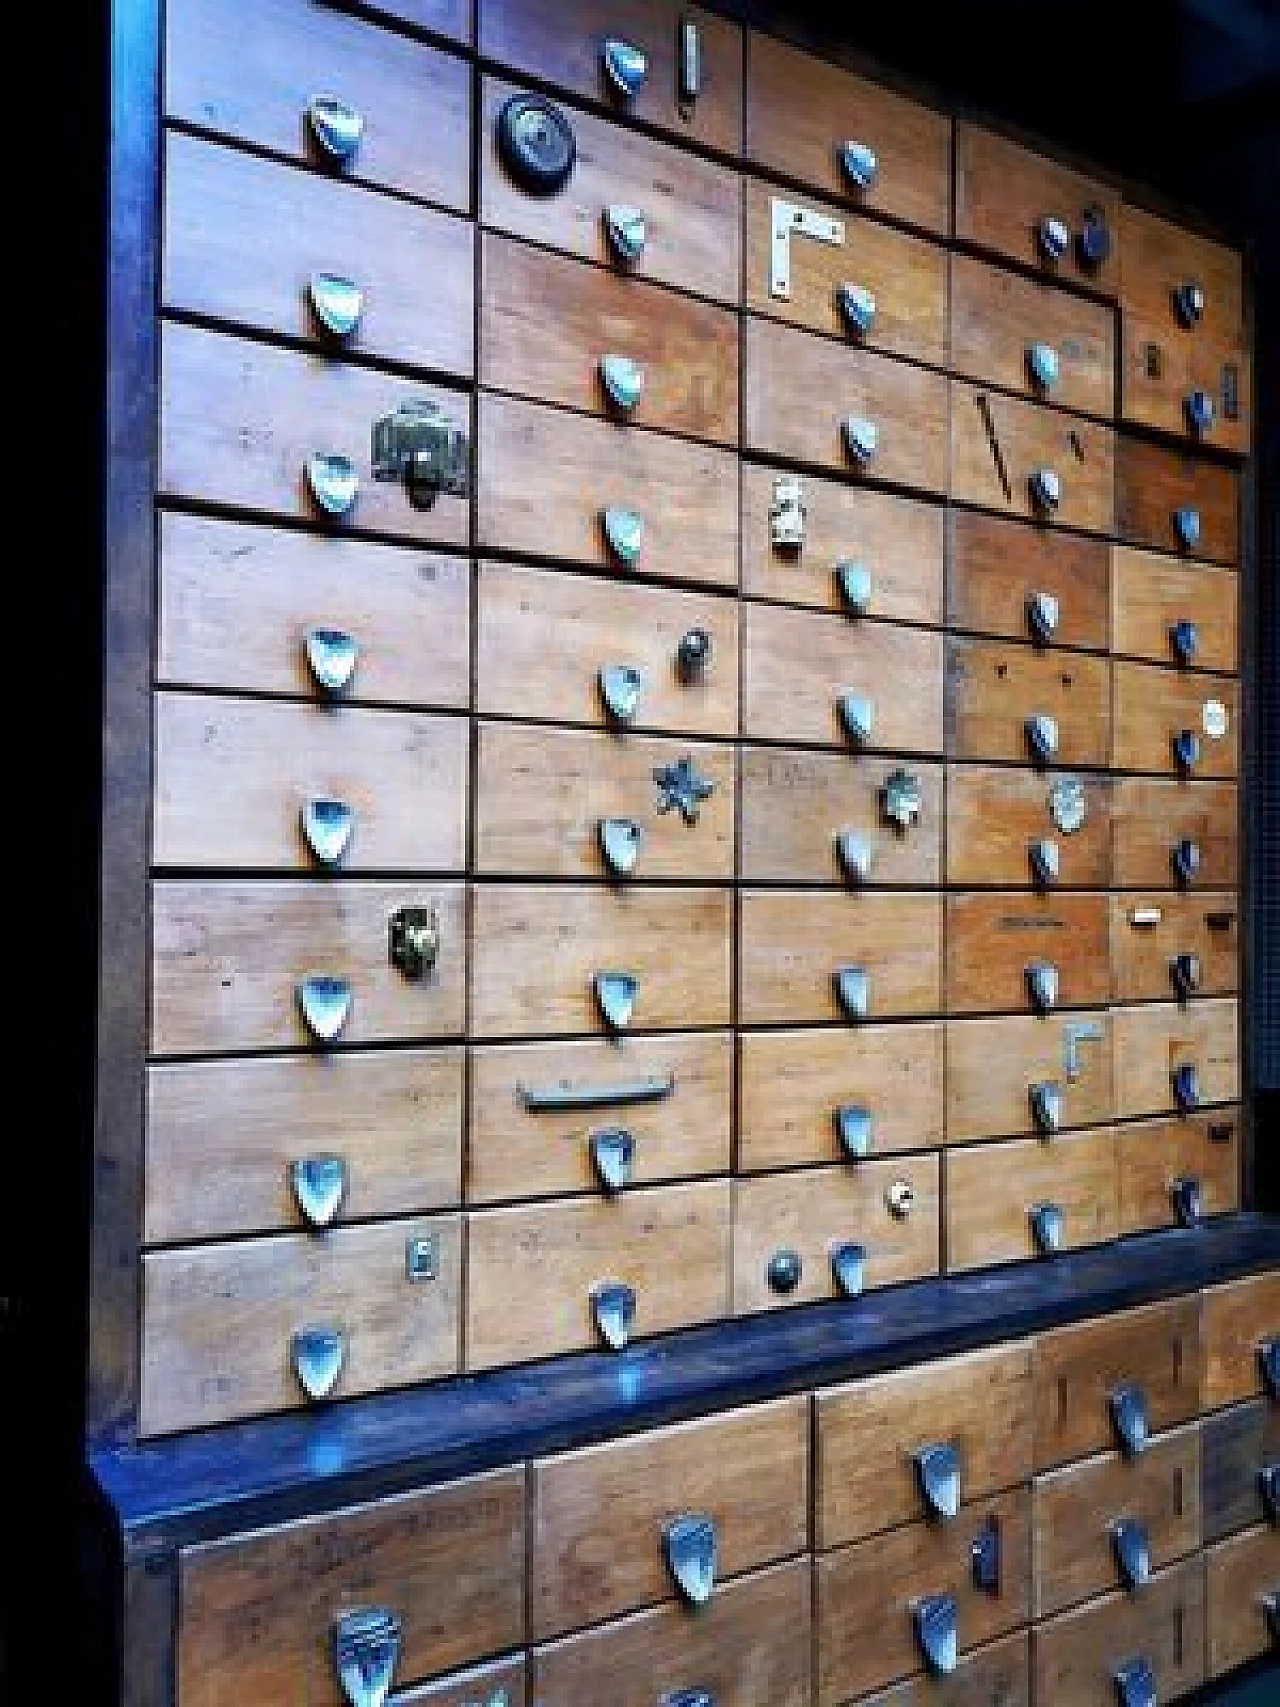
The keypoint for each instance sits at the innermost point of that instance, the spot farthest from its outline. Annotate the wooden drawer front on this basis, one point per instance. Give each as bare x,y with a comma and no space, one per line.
240,421
255,86
907,276
995,816
692,208
543,794
536,951
899,540
237,602
799,665
749,1646
1235,1446
1142,954
992,1191
867,1593
228,958
1153,484
547,477
1075,1509
793,1084
258,1609
994,566
992,1063
1153,1042
997,317
1074,1658
1030,437
1239,1318
1152,707
218,1321
869,1432
530,1272
1150,817
812,1212
502,1682
994,686
1004,191
598,1515
517,1148
992,939
543,640
792,943
223,1136
1240,1576
797,804
688,350
565,46
800,389
1164,367
1155,1154
243,238
1158,257
234,778
1151,593
998,1675
1156,1348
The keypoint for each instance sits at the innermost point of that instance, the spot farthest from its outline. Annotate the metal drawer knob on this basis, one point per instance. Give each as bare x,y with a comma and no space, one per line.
857,307
848,1268
690,1546
1269,1491
859,164
1045,862
626,230
853,583
935,1618
332,481
786,513
326,827
1188,303
535,143
861,438
613,1308
1054,238
858,717
1042,985
319,1186
693,654
624,532
784,1271
336,127
1186,973
1269,1363
318,1354
1046,1099
1042,617
625,65
938,1474
1136,1683
1186,524
1042,364
1186,860
616,994
853,852
366,1652
1093,240
325,1003
984,1556
620,686
901,799
613,1153
853,991
1200,413
855,1130
413,944
1128,1405
1187,1197
1186,1086
1042,737
1132,1548
1048,1223
623,380
900,1199
1184,638
620,840
1046,490
336,302
331,657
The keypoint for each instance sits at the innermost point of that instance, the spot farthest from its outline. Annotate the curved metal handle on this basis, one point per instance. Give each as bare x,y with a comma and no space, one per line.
613,1154
336,126
1045,862
1129,1417
325,1002
332,481
1042,985
613,1308
318,1354
690,1545
936,1619
625,66
620,841
860,165
366,1652
623,381
327,824
319,1185
861,438
626,230
852,986
1046,1101
849,1268
938,1474
331,657
336,302
1048,1224
616,994
554,1098
623,532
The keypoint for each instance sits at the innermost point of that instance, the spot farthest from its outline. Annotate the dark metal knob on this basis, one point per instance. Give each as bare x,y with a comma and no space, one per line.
1186,860
1186,1086
1186,750
1186,973
1184,638
1093,240
693,654
1200,413
985,1557
1188,303
784,1271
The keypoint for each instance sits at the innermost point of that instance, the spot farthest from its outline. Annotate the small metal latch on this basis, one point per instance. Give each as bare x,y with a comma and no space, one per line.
625,65
855,1129
325,1002
1068,805
326,827
418,444
336,302
331,657
1048,1224
319,1185
366,1652
613,1308
624,533
853,991
984,1556
332,481
784,1271
1187,1198
422,1257
1269,1363
788,219
938,1474
1042,985
615,994
336,127
414,940
848,1268
1128,1406
1045,1097
935,1618
688,66
1135,1683
613,1151
690,1546
787,513
1132,1548
318,1354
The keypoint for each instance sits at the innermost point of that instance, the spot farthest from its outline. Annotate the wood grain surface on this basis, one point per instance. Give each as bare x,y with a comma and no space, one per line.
1238,1574
995,564
1153,1154
1151,591
995,1675
996,813
1028,437
992,938
991,1190
991,1063
1163,366
1203,923
1152,1042
1151,706
1074,1657
1238,1317
1154,482
1235,1444
1150,816
994,686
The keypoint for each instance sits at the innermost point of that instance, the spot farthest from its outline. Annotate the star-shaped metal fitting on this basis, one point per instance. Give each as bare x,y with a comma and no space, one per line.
680,785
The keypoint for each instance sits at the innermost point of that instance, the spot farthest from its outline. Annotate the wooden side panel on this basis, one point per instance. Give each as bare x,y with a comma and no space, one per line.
991,1063
997,1675
994,565
1153,1154
1239,1576
998,443
992,939
1153,483
1238,1319
1235,1445
996,814
1199,923
994,686
992,1189
1074,1658
1150,816
1152,707
1151,591
1152,1042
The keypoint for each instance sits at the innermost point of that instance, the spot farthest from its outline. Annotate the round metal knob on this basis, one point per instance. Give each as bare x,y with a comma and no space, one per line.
536,144
693,654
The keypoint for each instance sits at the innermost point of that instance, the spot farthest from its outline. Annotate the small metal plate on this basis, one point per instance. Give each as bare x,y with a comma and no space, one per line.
787,220
1129,1417
419,445
1214,719
690,1546
936,1619
318,1354
319,1185
1132,1548
325,1003
620,688
366,1652
616,994
855,1130
853,991
938,1474
787,513
613,1154
613,1308
1074,1034
848,1268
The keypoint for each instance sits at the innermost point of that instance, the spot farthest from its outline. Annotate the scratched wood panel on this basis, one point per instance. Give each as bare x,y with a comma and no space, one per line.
1240,1317
996,564
1142,954
1240,1575
996,814
1154,1154
994,686
1155,482
1151,592
1153,1041
1150,816
992,1189
992,1063
1151,707
1075,1656
993,939
999,444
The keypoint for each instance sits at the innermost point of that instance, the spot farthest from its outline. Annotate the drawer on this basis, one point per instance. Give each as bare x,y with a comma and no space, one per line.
1076,1370
220,1322
996,815
993,1063
543,640
547,479
687,350
1144,950
537,1109
809,1216
788,370
393,785
1238,1320
994,686
537,950
993,941
1004,192
797,804
897,540
1154,1043
1155,1154
544,797
999,317
866,1595
243,239
792,944
692,208
1235,1445
999,444
237,603
259,1608
798,666
1150,817
1155,486
1158,257
749,1646
1152,593
239,424
906,276
1075,1510
1242,1579
565,46
224,1137
793,1085
998,1675
599,1516
230,958
869,1433
1152,708
1074,1658
799,111
256,85
993,1192
996,566
450,18
1166,373
531,1271
502,1682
